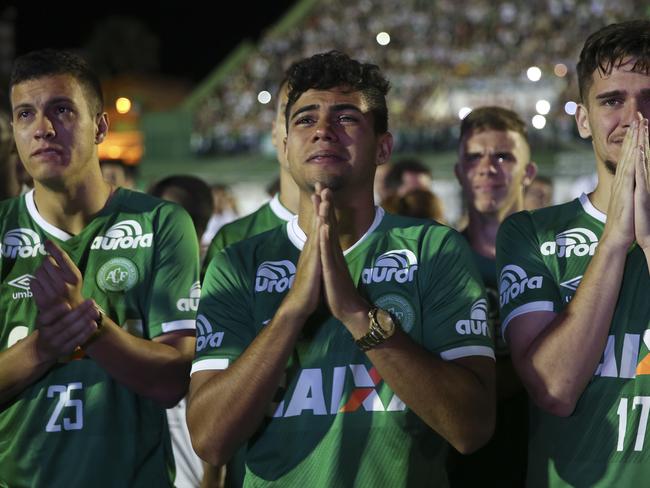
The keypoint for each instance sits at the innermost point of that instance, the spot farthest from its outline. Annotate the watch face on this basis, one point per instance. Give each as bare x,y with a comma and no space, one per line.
386,322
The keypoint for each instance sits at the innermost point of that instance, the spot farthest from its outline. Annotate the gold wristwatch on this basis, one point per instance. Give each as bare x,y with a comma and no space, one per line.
382,326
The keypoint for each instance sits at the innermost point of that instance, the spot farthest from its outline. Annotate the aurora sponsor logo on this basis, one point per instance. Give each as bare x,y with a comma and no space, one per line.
205,336
275,276
399,265
351,388
514,281
477,323
573,242
21,243
22,283
126,234
191,303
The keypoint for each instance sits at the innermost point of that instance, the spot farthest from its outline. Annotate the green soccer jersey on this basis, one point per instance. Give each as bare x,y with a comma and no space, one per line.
76,426
541,258
266,217
334,421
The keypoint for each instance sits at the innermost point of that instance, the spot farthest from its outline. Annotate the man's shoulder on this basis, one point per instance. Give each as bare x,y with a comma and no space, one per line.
242,226
12,205
131,200
547,218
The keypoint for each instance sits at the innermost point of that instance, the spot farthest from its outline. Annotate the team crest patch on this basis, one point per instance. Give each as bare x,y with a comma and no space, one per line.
117,274
401,309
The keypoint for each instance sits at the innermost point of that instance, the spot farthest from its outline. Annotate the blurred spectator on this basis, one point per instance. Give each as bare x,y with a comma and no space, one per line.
539,194
422,204
407,175
195,196
191,193
224,211
118,173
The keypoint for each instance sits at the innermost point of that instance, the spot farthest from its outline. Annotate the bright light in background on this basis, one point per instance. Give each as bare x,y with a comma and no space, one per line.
534,73
383,38
570,108
122,105
560,70
539,121
464,112
543,107
264,97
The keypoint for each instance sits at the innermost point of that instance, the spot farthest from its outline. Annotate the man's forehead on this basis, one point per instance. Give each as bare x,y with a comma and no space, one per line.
628,67
498,140
45,88
331,97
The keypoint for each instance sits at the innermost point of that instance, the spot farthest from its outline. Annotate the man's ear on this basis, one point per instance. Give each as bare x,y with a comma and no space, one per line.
102,128
385,148
582,121
529,174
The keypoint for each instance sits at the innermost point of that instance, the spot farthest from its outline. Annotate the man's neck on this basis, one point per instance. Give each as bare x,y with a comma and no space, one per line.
482,234
599,198
353,218
71,207
289,193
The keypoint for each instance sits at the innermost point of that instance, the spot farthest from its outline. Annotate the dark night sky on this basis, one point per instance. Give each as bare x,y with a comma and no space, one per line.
194,36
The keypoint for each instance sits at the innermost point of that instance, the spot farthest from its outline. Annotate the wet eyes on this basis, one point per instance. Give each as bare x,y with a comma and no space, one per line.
343,118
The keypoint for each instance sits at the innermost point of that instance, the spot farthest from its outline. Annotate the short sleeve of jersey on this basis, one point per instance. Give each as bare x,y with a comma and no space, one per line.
224,321
218,243
175,282
454,307
526,284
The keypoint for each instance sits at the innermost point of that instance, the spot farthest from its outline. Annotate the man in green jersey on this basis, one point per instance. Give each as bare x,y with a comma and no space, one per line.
346,347
494,168
282,207
574,285
97,315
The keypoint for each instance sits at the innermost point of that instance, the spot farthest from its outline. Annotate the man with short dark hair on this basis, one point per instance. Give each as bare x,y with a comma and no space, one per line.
347,346
96,322
494,167
574,285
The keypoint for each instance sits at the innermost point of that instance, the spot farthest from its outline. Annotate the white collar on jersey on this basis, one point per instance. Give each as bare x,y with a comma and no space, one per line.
280,210
591,210
298,237
40,221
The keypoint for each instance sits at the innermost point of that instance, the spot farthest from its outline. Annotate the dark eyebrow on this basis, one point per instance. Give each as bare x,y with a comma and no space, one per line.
610,94
306,108
345,106
335,108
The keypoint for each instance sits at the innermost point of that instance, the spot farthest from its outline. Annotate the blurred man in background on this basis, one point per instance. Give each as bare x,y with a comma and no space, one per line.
494,167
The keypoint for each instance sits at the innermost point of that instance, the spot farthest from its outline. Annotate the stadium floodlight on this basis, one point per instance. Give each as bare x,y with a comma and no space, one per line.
464,112
539,121
543,107
264,97
383,38
122,105
534,73
560,70
570,107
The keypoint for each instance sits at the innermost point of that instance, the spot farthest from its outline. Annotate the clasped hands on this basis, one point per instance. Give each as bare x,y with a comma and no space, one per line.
323,272
628,214
65,319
